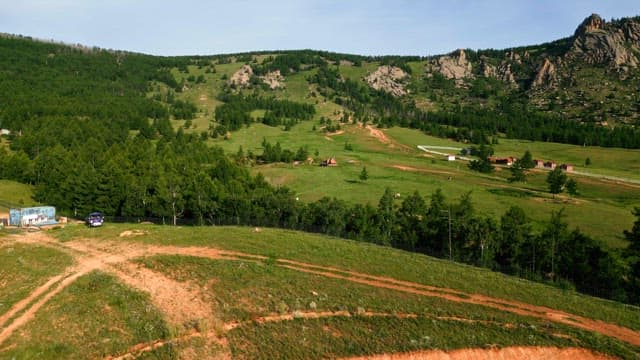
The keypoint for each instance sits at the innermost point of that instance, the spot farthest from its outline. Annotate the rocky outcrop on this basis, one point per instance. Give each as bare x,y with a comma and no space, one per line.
389,79
454,66
242,77
273,79
590,24
546,75
515,57
598,42
502,72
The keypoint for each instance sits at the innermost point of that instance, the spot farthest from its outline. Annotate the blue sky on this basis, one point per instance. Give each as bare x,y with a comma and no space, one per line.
371,27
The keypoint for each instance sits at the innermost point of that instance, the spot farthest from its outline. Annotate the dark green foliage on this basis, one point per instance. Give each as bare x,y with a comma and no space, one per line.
183,110
587,161
482,164
632,254
572,186
526,161
633,235
234,113
275,153
364,175
288,63
48,80
556,180
517,174
515,232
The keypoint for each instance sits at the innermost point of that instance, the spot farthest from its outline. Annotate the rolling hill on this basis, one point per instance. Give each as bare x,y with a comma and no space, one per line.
229,292
232,140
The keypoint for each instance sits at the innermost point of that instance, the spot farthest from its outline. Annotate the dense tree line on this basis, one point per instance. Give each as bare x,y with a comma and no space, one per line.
234,113
288,63
181,177
43,79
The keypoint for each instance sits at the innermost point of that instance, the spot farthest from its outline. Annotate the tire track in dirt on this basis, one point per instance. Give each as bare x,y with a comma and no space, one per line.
507,353
541,312
30,312
22,304
180,303
625,334
114,256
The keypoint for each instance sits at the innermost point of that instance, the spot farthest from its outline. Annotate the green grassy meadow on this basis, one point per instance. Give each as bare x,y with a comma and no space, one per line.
246,290
370,259
597,198
15,194
23,268
367,320
67,326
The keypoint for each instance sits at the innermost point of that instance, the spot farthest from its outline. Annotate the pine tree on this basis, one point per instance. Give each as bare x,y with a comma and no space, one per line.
556,180
571,186
363,174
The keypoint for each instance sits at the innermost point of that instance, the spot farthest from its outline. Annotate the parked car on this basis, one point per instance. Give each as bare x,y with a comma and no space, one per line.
95,219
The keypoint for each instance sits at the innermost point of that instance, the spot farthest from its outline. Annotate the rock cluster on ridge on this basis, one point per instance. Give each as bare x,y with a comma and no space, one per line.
455,66
241,77
613,44
388,79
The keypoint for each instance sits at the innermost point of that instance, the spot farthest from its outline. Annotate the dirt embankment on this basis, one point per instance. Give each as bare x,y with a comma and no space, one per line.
509,353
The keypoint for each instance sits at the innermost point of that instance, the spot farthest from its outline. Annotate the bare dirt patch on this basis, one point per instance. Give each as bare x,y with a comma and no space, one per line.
182,303
515,352
378,134
339,132
129,233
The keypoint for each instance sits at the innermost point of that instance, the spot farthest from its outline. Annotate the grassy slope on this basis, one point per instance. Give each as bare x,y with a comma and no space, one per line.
246,290
491,194
373,260
15,194
67,326
23,268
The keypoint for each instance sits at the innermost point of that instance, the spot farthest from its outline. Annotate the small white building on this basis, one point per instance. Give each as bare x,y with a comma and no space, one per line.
5,132
451,157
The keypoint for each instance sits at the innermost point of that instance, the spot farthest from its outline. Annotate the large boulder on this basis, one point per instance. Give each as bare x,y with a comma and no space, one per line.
455,66
242,77
389,79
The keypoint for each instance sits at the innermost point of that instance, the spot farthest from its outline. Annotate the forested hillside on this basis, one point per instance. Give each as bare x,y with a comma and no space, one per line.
93,129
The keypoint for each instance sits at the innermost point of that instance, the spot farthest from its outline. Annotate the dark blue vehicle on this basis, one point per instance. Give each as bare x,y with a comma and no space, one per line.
95,219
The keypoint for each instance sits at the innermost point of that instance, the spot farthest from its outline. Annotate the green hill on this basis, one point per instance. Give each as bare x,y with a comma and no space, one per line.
238,139
167,292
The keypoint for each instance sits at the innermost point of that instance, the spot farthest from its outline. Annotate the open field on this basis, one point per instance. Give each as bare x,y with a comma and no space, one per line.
395,161
236,292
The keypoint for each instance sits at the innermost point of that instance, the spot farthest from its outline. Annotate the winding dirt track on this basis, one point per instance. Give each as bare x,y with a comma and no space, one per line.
184,303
